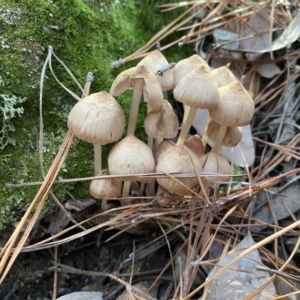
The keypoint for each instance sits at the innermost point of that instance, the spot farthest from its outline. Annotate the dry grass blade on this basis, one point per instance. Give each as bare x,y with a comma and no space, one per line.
6,262
123,177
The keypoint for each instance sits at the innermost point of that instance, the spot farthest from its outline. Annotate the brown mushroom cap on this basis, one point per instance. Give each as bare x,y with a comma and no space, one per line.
163,124
194,143
185,66
178,159
105,188
223,76
236,108
233,135
215,163
152,92
154,61
198,89
98,119
130,156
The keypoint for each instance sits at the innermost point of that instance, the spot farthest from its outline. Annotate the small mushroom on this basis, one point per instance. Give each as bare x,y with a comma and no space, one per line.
194,143
98,119
236,108
154,61
130,156
163,124
144,83
218,166
105,188
196,90
162,147
182,160
232,137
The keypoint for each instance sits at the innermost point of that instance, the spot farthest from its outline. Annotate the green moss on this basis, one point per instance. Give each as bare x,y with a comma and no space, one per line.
87,36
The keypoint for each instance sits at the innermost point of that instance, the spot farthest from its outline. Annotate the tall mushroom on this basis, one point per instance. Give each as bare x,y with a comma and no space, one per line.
185,66
98,119
222,76
160,125
197,89
236,108
144,83
154,61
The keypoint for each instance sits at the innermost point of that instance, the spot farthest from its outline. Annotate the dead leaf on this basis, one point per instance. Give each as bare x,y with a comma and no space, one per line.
242,277
289,195
221,36
286,116
58,222
142,286
258,26
79,204
82,296
267,70
289,36
232,154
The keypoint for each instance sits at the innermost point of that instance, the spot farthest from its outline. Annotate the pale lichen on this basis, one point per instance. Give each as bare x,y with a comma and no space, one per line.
9,109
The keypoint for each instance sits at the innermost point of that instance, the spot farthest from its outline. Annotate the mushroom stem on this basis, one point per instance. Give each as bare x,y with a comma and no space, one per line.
205,136
126,189
156,143
189,115
97,170
97,159
219,139
150,138
150,143
135,104
104,204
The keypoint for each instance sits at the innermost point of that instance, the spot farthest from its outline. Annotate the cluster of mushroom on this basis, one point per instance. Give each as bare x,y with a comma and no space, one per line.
99,119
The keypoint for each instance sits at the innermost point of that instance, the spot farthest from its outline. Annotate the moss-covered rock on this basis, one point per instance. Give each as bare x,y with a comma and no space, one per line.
87,35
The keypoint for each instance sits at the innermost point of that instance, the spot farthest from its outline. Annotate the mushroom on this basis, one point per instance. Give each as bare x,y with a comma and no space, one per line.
194,143
236,108
232,137
162,147
143,82
180,159
98,119
197,89
185,66
223,76
105,188
216,164
163,124
130,156
154,61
